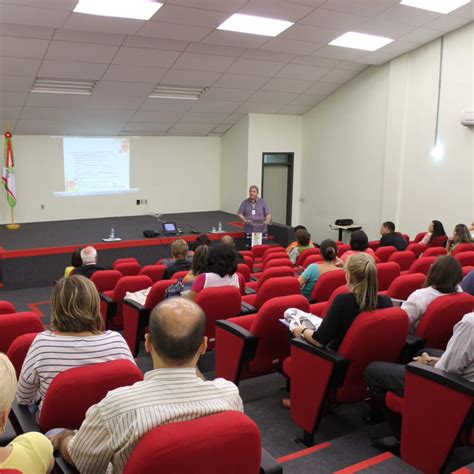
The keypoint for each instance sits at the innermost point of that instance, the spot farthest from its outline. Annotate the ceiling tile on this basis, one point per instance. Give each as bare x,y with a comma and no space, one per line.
61,4
166,105
216,49
219,93
186,77
71,70
309,3
290,46
279,9
38,127
19,66
388,29
20,15
339,76
333,20
16,83
155,43
85,102
253,66
215,106
241,81
287,85
352,66
162,116
41,32
223,128
308,99
368,8
9,114
234,118
214,134
194,128
205,117
88,53
300,71
102,24
141,128
189,16
421,35
252,107
122,89
218,5
145,57
22,47
12,99
446,23
335,52
376,58
50,113
160,29
408,15
122,72
203,62
294,109
268,55
312,34
323,88
232,38
315,61
270,97
89,37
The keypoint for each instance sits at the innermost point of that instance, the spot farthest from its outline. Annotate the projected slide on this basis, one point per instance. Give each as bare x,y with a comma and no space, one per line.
95,166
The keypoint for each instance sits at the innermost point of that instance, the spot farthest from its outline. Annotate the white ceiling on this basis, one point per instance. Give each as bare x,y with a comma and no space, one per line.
180,45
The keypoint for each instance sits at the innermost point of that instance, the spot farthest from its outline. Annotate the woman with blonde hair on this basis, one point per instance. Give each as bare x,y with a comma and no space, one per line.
31,453
76,338
197,266
461,235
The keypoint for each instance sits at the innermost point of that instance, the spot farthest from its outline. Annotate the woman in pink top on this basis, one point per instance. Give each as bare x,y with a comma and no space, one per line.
359,243
220,269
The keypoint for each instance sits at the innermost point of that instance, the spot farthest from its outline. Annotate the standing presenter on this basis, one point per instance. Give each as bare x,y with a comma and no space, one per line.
255,214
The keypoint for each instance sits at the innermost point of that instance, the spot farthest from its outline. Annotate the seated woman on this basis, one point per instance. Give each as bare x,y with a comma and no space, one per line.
461,235
303,239
197,266
76,338
443,278
221,270
359,243
436,235
30,453
76,261
311,275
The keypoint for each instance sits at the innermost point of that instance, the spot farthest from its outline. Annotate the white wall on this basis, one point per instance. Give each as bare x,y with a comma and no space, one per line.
175,174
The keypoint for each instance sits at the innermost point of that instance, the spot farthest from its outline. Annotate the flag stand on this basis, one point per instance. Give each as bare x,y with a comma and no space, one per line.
12,225
8,179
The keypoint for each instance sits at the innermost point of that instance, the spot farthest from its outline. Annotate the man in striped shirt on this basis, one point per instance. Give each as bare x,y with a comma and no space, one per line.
171,392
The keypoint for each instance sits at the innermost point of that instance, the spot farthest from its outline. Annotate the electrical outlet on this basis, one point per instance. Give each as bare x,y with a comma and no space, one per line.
138,202
145,201
301,199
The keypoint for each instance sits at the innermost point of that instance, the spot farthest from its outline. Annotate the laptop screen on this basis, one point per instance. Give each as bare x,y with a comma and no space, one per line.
169,227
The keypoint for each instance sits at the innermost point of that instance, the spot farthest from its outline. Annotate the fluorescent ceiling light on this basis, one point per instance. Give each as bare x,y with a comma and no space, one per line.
256,25
63,86
438,6
135,9
176,92
355,40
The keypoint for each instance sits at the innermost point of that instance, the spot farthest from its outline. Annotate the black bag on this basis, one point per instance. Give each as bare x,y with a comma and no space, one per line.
149,234
175,290
344,222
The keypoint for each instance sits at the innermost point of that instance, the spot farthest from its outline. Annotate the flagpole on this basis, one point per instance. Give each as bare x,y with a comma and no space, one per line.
12,225
8,179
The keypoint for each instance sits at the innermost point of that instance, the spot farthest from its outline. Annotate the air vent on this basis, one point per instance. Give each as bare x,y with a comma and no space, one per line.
63,86
177,92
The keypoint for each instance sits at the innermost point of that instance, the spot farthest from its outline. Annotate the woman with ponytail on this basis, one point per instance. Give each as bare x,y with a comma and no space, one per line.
311,275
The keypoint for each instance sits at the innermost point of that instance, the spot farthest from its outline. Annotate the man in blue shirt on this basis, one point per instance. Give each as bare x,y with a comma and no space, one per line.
254,213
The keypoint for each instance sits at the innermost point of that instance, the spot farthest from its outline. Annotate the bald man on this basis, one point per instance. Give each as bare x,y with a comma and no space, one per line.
171,392
229,241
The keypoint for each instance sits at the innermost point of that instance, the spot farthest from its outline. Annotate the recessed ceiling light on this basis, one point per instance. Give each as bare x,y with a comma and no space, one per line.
177,92
256,25
355,40
438,6
135,9
63,86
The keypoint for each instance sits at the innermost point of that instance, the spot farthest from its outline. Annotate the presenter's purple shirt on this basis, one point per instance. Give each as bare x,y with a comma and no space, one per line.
261,211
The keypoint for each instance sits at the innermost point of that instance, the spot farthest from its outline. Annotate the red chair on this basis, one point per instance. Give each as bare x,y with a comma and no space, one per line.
244,270
312,259
135,315
6,307
404,259
13,325
249,346
374,244
222,302
105,280
386,273
428,433
276,262
249,262
231,444
421,265
281,286
435,252
406,237
463,248
467,270
342,249
274,255
180,274
320,375
404,285
273,248
128,268
305,254
419,237
327,283
321,309
383,253
246,253
466,259
18,350
436,326
417,248
119,261
272,272
155,272
258,251
111,302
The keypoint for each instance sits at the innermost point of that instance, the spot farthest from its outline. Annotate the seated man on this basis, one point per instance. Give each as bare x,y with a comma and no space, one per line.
179,250
391,238
229,241
89,263
174,391
458,359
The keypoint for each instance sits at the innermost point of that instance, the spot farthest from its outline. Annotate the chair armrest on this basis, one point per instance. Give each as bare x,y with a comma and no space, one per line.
253,278
412,345
106,298
397,302
62,467
269,465
134,304
247,308
250,291
22,420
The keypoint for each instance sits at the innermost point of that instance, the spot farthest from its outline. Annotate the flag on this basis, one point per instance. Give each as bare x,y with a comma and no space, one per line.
8,177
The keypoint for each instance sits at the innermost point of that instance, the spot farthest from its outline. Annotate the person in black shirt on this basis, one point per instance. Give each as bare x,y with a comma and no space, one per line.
89,263
179,249
392,238
228,240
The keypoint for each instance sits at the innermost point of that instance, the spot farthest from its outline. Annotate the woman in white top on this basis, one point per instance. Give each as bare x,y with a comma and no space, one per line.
443,279
76,338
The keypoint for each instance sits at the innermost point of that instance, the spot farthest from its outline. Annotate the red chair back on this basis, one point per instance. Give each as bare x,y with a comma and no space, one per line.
83,387
436,326
406,237
244,270
382,253
273,249
404,285
221,302
180,274
249,262
416,248
404,259
273,256
378,335
305,254
6,307
282,286
259,250
155,272
273,341
157,293
18,350
422,265
419,236
312,259
13,325
467,270
246,253
105,280
277,262
386,273
231,444
374,244
463,248
274,272
119,261
434,252
466,259
128,268
338,291
342,249
327,283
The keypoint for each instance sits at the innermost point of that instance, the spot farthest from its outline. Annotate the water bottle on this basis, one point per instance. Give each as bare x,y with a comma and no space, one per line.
219,227
112,233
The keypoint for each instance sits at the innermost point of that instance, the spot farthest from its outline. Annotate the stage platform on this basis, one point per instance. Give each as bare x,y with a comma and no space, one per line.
37,253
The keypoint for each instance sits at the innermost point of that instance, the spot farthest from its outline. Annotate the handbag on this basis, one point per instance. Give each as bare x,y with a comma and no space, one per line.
175,289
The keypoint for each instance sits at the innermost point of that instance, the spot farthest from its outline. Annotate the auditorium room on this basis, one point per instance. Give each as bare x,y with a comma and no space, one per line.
237,236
